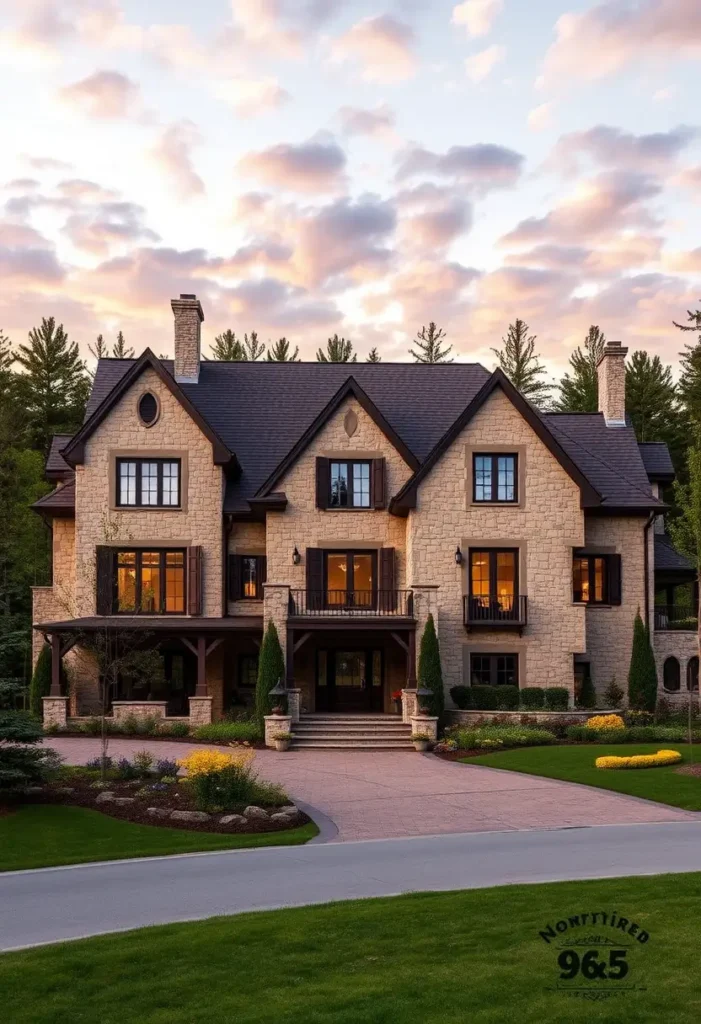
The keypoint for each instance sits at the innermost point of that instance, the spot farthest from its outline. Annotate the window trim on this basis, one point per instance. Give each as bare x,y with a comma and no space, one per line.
259,560
591,573
494,456
493,552
350,507
350,589
689,687
139,552
140,461
493,666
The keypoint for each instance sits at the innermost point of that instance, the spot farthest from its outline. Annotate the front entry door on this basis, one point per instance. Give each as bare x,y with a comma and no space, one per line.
349,681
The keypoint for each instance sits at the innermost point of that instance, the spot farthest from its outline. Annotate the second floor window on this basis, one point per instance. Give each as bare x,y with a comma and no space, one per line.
590,579
246,577
349,485
495,477
149,582
146,483
494,578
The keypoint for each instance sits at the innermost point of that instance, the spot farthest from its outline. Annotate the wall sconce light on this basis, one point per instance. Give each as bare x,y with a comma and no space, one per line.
458,555
296,557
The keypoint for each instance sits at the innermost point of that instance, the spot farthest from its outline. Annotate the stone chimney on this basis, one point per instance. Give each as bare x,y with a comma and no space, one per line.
188,315
611,373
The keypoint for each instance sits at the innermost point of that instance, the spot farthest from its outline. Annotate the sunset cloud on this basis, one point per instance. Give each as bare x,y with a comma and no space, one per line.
252,96
484,166
173,154
382,45
477,16
306,167
378,122
613,147
481,65
105,95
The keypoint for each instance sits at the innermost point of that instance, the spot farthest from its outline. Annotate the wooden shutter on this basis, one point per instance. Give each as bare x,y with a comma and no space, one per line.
315,579
614,568
234,577
378,483
388,595
105,580
262,575
194,581
322,483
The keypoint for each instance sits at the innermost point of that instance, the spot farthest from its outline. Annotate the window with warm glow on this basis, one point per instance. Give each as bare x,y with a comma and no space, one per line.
350,578
590,579
493,578
150,582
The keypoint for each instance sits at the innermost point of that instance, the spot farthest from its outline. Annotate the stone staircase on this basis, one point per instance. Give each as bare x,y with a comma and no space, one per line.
351,732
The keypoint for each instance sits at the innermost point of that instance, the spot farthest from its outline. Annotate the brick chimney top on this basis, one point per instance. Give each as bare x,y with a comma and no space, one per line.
188,317
611,373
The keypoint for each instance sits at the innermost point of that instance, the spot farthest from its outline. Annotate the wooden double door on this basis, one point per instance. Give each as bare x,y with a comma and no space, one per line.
350,680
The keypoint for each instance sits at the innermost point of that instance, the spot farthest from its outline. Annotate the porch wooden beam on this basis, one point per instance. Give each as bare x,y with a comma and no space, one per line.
69,644
201,690
190,646
55,690
214,644
302,640
290,660
411,662
402,643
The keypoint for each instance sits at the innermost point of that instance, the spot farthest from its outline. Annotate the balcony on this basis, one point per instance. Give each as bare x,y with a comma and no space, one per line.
675,617
495,612
354,604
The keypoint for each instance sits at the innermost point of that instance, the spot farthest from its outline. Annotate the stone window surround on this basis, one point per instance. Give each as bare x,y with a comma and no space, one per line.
480,544
154,421
147,453
504,646
599,549
348,455
503,449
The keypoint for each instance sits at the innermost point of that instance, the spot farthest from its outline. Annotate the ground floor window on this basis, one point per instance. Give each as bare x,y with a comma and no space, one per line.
248,670
692,675
671,675
494,669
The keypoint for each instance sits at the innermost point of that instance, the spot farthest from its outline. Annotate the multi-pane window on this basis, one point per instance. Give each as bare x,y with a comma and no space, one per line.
494,669
495,477
247,577
590,579
350,578
248,670
494,578
349,484
144,483
149,582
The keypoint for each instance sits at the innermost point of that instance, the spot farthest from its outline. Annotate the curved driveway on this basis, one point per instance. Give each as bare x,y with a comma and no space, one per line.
385,795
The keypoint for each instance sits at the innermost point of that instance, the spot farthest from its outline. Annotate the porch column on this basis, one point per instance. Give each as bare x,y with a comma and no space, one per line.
201,690
290,659
55,690
411,659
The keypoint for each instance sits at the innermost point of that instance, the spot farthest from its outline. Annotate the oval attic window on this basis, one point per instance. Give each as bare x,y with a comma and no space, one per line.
148,409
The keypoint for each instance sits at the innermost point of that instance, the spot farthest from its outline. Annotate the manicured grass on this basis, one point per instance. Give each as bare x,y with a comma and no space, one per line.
42,835
576,764
427,958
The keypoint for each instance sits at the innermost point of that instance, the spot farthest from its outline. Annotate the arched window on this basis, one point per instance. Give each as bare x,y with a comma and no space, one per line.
692,675
671,675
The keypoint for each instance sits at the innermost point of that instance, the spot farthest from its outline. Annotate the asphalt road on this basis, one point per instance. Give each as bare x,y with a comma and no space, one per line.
54,904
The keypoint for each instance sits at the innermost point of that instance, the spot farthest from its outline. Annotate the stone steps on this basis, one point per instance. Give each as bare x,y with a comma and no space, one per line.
351,732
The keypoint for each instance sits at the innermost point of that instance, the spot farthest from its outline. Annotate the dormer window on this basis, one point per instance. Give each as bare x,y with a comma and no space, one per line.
148,483
495,477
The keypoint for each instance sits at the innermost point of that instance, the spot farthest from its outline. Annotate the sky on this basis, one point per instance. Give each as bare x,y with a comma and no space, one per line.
317,166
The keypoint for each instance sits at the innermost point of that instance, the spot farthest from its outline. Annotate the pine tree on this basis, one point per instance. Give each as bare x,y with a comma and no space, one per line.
41,681
228,348
271,669
100,350
580,392
690,358
587,694
652,402
685,528
520,363
338,350
253,349
430,672
642,675
373,356
55,385
429,341
280,352
120,350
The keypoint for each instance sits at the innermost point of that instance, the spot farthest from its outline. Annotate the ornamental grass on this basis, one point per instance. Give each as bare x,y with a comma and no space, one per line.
224,782
658,760
601,723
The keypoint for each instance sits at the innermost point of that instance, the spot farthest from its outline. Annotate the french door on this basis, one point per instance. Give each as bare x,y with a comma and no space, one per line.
351,579
349,680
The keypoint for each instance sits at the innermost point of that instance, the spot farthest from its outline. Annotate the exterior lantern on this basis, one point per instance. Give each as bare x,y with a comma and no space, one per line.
458,555
296,557
278,690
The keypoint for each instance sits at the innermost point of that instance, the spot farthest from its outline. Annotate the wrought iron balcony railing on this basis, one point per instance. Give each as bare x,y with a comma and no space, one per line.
352,603
669,617
496,611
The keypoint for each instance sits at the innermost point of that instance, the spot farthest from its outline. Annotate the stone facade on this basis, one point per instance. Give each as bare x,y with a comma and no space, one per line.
124,709
683,646
188,317
611,373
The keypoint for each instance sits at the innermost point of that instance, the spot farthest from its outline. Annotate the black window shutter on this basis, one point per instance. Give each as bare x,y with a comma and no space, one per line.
194,580
315,579
262,575
322,483
388,595
105,580
614,567
234,577
378,483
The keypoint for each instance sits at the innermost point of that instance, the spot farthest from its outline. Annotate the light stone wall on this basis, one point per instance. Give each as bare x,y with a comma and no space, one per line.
610,627
548,523
247,539
679,644
56,602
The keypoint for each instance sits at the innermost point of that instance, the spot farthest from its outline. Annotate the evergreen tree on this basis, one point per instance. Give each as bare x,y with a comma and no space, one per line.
430,673
642,675
41,681
253,349
13,414
580,391
520,363
685,528
429,341
120,350
271,668
100,350
587,694
694,318
228,348
652,402
690,378
55,386
373,356
338,350
280,352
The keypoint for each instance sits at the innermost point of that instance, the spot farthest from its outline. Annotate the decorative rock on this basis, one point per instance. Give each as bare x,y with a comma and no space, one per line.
282,819
189,816
124,800
158,812
287,809
33,790
233,819
255,812
66,790
104,798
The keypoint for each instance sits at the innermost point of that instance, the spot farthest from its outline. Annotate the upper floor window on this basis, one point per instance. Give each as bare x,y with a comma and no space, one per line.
349,484
596,579
495,477
149,582
246,577
145,483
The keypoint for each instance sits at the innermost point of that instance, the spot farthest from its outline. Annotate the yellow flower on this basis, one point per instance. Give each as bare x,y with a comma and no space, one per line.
600,722
662,757
208,762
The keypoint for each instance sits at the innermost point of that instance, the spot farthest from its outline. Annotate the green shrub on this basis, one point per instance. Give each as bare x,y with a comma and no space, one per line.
507,698
532,697
642,674
271,669
430,674
484,698
229,732
632,734
175,729
41,681
587,694
462,697
93,726
557,698
613,694
474,737
21,763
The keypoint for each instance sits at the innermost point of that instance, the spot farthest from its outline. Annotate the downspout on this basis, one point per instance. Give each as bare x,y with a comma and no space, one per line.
226,533
646,536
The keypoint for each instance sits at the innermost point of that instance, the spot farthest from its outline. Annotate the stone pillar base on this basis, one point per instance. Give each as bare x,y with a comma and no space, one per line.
410,704
200,711
54,711
122,709
426,725
274,724
293,702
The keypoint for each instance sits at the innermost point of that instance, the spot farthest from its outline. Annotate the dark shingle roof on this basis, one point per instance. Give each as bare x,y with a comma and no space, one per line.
259,410
62,499
657,461
56,465
668,559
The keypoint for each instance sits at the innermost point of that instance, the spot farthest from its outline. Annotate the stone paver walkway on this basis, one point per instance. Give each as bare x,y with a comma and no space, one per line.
387,795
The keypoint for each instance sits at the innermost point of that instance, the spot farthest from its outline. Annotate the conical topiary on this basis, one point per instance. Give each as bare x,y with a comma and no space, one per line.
587,694
642,674
430,673
271,668
41,681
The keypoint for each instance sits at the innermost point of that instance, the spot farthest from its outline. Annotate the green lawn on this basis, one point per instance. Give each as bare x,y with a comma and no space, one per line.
416,959
576,764
41,835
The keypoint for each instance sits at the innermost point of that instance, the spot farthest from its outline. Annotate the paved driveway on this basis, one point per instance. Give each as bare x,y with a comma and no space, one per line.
386,795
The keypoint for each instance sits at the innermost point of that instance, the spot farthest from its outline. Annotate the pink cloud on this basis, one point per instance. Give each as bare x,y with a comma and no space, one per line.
99,228
173,154
27,257
382,45
312,166
483,166
252,96
378,123
480,65
613,147
477,15
106,95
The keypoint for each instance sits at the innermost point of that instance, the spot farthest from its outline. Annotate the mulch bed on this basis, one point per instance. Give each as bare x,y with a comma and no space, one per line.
689,769
176,797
